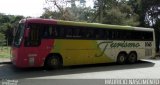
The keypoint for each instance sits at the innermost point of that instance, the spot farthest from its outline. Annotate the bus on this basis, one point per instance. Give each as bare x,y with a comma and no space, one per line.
56,43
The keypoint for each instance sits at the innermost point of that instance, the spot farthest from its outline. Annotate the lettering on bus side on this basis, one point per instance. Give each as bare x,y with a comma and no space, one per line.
148,44
111,44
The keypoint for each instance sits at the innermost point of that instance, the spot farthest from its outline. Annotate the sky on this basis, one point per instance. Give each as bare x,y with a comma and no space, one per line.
33,8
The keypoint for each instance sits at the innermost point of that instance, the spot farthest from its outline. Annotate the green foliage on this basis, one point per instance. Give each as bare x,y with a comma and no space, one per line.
73,12
7,24
114,16
2,39
3,18
148,11
4,52
116,12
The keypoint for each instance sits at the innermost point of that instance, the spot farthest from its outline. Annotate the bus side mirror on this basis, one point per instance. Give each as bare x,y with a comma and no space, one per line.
27,32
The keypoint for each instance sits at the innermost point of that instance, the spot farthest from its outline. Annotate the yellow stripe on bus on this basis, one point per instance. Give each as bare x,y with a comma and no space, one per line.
77,52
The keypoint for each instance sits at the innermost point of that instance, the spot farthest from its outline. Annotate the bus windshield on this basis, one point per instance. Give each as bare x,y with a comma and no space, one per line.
19,35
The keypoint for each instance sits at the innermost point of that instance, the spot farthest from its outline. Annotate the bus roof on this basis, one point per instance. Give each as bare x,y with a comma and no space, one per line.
85,24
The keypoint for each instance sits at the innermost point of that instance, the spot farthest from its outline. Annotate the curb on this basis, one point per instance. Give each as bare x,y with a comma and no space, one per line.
6,62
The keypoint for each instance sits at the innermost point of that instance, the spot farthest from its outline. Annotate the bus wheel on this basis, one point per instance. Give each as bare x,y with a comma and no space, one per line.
121,59
53,62
132,58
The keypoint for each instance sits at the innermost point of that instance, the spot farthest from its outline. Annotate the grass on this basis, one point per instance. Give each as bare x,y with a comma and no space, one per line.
4,52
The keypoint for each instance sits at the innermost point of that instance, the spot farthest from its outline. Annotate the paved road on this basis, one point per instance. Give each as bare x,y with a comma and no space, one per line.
142,69
145,69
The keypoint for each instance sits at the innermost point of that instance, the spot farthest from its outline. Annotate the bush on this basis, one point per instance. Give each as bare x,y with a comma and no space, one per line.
2,39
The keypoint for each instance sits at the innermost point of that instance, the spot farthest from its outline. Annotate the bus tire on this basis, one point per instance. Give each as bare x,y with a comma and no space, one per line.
132,58
52,62
121,58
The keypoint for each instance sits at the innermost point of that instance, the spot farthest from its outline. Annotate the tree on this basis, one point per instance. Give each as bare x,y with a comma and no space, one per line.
115,12
59,8
4,18
68,10
2,39
7,24
148,11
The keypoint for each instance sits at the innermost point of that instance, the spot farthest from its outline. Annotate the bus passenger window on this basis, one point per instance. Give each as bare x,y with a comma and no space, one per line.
34,38
61,32
50,31
47,31
99,34
90,34
69,33
76,33
106,35
83,33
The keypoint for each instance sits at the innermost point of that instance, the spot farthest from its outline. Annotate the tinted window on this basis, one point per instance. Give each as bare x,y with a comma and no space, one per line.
39,32
86,33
